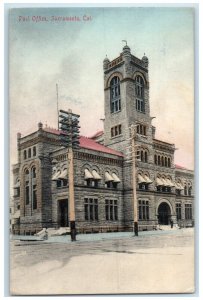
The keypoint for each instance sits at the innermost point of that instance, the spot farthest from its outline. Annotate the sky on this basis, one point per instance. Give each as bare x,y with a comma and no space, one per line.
70,54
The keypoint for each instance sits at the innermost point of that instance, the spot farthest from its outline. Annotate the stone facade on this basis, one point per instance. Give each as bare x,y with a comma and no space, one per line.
165,192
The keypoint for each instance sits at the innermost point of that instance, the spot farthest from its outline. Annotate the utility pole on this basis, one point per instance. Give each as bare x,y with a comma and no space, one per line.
71,195
134,178
69,126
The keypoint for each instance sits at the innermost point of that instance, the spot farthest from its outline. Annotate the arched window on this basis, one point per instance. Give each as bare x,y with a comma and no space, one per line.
139,85
159,162
25,154
162,161
165,161
155,159
115,98
169,162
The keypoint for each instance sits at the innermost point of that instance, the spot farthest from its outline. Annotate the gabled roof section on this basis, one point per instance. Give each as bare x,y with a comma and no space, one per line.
89,143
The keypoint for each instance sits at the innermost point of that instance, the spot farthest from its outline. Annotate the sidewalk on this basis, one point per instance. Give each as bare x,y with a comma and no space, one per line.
99,236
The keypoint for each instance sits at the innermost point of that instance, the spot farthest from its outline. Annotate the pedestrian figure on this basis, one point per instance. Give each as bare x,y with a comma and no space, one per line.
171,222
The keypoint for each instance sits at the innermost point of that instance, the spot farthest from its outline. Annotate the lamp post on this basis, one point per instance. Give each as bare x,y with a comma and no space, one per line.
69,126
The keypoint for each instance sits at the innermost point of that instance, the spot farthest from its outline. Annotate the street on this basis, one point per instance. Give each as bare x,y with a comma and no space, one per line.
121,263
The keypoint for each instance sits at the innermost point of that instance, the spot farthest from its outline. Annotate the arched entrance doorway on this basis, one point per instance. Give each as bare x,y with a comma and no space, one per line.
164,213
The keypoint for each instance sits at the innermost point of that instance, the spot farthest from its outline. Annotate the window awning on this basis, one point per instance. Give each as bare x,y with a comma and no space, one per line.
179,186
108,177
148,180
63,174
17,185
141,179
159,182
16,214
96,175
88,175
115,178
164,182
170,183
56,175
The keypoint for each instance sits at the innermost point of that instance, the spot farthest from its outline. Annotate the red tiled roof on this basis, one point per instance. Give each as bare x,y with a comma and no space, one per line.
92,145
88,143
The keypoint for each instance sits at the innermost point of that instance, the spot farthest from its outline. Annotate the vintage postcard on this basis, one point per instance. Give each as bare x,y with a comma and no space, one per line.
102,150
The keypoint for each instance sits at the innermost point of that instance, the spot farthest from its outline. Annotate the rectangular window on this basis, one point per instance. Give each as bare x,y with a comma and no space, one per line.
178,211
188,211
143,186
143,210
164,189
141,129
29,153
140,105
27,193
17,192
178,192
111,210
116,130
91,183
86,210
119,104
34,196
116,106
58,183
91,209
34,151
119,129
107,210
65,182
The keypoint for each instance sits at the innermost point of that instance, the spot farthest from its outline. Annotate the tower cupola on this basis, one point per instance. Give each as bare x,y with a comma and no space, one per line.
145,60
106,61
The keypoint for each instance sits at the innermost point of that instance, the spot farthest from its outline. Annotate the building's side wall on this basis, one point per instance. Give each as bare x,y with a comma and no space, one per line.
91,160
